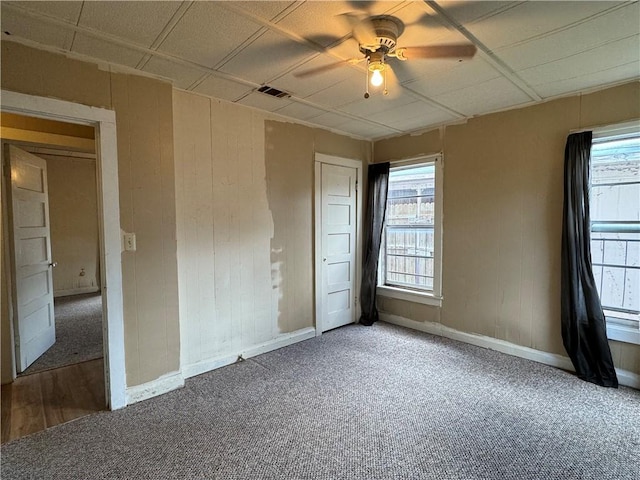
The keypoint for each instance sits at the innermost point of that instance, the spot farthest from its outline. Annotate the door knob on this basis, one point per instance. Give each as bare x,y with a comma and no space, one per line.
53,264
324,259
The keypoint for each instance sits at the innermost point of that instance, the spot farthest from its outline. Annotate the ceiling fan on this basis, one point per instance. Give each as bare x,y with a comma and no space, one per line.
377,37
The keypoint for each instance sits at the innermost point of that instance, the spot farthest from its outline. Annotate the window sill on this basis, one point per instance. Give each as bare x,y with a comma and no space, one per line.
623,334
409,295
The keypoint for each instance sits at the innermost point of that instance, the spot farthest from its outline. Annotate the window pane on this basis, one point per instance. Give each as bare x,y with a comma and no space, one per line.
615,226
615,202
409,227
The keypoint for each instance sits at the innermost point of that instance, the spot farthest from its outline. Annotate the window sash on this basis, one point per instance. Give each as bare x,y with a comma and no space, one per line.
615,244
394,277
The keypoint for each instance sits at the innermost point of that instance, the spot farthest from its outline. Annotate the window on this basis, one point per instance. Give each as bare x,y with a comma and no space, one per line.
615,228
410,253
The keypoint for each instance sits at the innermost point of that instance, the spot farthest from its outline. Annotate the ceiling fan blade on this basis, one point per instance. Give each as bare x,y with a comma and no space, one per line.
432,20
460,51
325,68
325,41
361,4
363,30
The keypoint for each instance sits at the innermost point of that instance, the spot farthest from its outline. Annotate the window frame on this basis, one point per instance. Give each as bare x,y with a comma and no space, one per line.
615,331
433,297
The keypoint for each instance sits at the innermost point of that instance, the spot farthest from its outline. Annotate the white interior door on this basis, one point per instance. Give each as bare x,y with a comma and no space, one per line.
34,321
338,237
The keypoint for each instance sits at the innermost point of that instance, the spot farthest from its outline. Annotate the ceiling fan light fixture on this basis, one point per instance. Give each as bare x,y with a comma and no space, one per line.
377,68
376,78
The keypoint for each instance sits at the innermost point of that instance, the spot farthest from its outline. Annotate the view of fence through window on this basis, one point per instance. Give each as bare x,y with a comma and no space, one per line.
615,226
409,230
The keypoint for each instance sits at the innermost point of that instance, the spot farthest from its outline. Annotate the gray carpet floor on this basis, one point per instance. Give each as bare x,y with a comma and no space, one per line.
356,403
78,333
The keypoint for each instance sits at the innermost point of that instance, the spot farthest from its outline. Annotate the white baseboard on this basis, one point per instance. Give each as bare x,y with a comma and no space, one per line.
164,384
75,291
625,377
280,341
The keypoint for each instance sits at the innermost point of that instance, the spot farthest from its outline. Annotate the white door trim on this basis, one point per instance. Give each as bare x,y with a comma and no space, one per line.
321,158
104,122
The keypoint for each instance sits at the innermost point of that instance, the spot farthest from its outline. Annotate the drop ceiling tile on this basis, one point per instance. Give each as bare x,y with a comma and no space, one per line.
615,25
64,10
21,25
370,106
531,19
489,96
207,33
222,88
319,21
303,87
429,118
446,76
331,120
414,109
599,59
181,76
623,73
139,22
341,93
107,51
367,130
263,101
299,111
267,57
267,10
465,11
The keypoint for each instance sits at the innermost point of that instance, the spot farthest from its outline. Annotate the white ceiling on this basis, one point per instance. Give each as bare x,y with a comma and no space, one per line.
527,52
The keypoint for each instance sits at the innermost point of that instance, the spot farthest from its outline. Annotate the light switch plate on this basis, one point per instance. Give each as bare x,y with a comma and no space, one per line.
130,242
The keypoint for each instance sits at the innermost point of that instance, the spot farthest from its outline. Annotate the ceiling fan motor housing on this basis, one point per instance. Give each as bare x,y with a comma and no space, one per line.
387,30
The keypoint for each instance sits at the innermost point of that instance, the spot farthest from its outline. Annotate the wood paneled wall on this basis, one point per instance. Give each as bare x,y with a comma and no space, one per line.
244,195
144,118
503,177
224,228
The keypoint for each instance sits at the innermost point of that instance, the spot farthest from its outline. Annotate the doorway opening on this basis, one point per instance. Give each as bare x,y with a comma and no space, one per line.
81,286
338,241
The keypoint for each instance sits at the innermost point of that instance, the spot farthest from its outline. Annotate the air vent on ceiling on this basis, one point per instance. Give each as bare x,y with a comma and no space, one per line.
274,92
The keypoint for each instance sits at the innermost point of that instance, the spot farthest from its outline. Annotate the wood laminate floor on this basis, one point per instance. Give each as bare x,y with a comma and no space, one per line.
41,400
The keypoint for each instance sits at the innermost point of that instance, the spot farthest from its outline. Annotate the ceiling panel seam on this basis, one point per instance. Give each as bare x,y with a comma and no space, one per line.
130,45
73,39
168,28
497,11
341,113
595,47
566,27
489,56
127,44
276,28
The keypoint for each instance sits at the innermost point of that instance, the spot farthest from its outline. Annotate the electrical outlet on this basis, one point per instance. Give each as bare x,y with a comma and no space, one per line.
130,242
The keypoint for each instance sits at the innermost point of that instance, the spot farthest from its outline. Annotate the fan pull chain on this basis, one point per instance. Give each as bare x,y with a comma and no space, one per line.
366,82
385,91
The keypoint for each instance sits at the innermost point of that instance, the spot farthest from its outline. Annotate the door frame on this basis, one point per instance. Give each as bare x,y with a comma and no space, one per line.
320,159
104,122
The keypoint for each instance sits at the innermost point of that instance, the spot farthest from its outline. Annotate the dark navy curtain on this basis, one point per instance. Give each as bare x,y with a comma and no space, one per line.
377,187
583,324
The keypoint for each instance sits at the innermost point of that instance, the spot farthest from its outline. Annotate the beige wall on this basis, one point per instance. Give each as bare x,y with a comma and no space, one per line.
239,195
147,192
290,161
73,213
244,193
502,218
